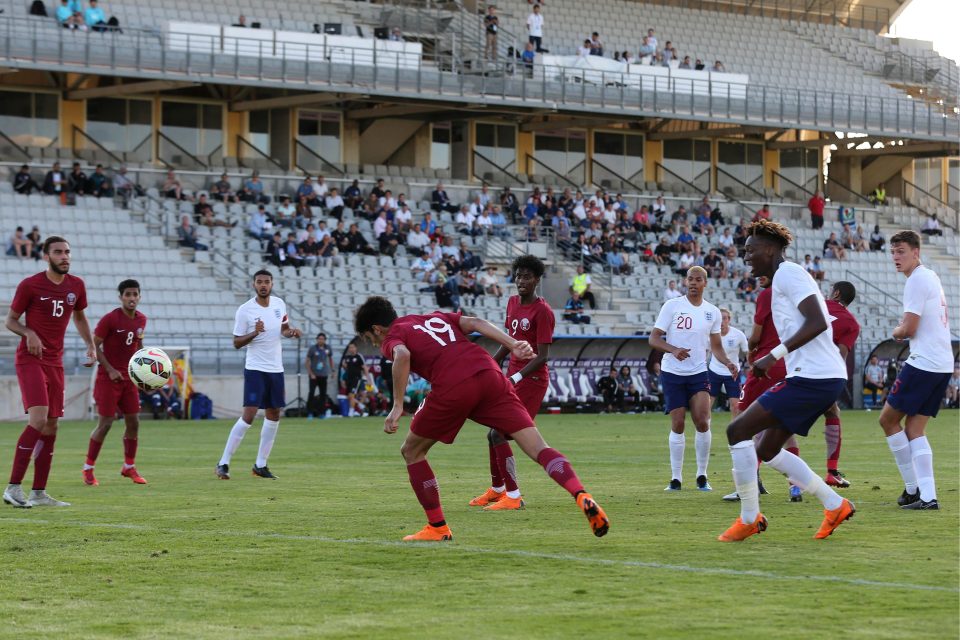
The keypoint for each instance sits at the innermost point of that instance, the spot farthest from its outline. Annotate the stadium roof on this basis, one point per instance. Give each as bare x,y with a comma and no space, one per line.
874,14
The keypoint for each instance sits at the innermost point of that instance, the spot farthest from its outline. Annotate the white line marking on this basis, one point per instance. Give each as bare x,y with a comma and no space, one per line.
519,553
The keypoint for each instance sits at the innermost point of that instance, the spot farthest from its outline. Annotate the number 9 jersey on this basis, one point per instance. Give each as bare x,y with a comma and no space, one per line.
122,336
48,307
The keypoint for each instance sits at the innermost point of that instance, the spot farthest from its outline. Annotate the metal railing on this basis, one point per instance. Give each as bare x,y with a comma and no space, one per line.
601,173
533,163
7,143
243,143
831,182
38,44
162,139
736,181
488,171
780,191
833,13
315,162
86,137
913,196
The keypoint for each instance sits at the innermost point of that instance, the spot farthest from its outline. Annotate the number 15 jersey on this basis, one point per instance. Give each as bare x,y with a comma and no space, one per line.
688,327
49,307
439,350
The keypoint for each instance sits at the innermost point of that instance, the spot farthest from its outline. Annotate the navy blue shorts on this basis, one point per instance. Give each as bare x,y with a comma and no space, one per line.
263,390
729,384
677,389
917,392
799,402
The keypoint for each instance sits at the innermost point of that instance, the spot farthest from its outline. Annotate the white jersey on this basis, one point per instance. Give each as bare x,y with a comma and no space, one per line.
264,352
734,343
818,359
688,327
930,348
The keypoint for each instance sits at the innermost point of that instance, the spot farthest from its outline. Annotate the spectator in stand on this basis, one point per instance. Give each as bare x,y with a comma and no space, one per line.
508,202
77,181
54,183
125,186
832,248
686,64
852,238
879,195
320,188
69,16
669,53
302,213
671,291
609,389
305,190
292,251
877,241
417,239
535,28
252,190
491,24
260,226
747,288
352,196
490,282
20,245
626,58
580,285
573,311
275,254
440,201
698,65
713,263
647,48
932,227
389,241
718,67
99,184
187,234
663,252
378,189
309,250
763,214
356,243
402,219
222,190
873,379
679,216
23,182
334,204
816,205
685,261
584,49
817,270
203,214
95,18
172,188
287,213
422,267
37,240
808,263
241,22
725,240
596,47
686,241
328,251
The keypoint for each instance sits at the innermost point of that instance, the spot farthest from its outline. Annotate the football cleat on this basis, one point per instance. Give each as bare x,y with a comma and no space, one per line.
702,484
430,533
833,519
263,472
922,505
131,472
795,494
595,514
488,496
740,531
908,498
506,503
762,490
732,497
89,478
836,479
39,498
673,486
223,471
13,496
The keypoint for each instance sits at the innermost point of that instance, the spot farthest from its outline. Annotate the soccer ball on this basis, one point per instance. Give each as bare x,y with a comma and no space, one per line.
150,368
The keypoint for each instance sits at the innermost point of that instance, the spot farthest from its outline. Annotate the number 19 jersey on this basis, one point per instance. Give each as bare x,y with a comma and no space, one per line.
689,327
439,350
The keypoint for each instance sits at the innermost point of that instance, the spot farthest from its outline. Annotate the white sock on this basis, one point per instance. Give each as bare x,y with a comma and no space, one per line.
677,445
127,466
801,475
268,433
233,440
744,456
500,489
702,443
513,494
900,447
87,467
923,465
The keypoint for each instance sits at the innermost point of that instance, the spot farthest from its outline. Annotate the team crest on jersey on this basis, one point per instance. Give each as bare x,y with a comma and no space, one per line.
139,332
276,312
71,299
708,315
524,324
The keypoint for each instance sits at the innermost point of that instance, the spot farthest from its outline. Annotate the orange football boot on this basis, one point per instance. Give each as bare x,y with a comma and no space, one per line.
133,475
739,531
505,503
488,496
430,533
599,522
89,478
833,519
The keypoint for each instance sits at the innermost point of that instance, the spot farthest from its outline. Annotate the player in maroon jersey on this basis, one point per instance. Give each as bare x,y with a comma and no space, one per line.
466,383
529,318
49,299
118,336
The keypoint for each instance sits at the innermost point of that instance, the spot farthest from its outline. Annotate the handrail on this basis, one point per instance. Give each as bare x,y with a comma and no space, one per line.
925,192
301,145
740,182
659,167
616,175
84,134
894,303
167,138
551,170
858,196
210,161
136,147
15,145
953,223
493,164
242,140
780,176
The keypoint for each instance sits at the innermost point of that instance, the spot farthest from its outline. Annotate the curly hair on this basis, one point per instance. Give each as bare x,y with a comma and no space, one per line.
772,231
377,310
531,263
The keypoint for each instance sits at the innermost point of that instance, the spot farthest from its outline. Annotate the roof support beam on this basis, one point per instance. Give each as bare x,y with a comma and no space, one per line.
569,123
298,100
718,132
114,90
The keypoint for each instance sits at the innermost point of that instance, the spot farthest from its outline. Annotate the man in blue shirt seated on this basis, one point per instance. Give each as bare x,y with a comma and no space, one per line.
573,311
94,17
69,15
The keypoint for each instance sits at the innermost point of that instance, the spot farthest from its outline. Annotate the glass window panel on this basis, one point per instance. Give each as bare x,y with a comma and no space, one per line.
608,143
330,137
486,135
259,136
181,123
506,136
440,146
212,133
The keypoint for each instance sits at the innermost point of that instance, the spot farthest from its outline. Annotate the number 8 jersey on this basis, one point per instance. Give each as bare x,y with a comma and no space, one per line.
121,337
688,327
49,307
439,350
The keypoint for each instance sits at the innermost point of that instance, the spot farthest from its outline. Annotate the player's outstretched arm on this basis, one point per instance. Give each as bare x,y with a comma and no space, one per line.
716,348
83,328
814,323
518,348
401,374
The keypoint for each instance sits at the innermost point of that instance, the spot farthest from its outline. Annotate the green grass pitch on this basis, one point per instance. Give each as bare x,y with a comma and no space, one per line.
317,552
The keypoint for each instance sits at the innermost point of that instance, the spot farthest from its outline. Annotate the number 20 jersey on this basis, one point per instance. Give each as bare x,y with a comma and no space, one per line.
687,326
439,351
48,307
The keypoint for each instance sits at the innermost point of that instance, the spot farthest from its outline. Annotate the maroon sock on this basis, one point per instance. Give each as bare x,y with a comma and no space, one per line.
129,450
496,479
43,459
425,485
93,450
507,465
558,468
21,455
831,434
794,450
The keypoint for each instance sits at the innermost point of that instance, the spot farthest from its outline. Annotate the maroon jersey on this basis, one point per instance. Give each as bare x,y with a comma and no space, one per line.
439,350
532,323
122,337
49,307
845,326
763,316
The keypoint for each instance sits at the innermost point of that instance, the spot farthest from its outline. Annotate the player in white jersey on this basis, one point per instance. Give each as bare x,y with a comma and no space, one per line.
686,329
259,325
919,388
816,375
734,344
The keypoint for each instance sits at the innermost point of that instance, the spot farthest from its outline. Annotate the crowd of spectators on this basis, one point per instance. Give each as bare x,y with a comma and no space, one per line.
70,14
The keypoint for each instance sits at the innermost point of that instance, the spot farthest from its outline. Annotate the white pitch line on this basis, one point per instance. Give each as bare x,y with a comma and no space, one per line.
519,553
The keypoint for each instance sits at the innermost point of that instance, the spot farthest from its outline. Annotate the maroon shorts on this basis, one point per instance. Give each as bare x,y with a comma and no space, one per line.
531,391
487,398
41,385
756,387
110,396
